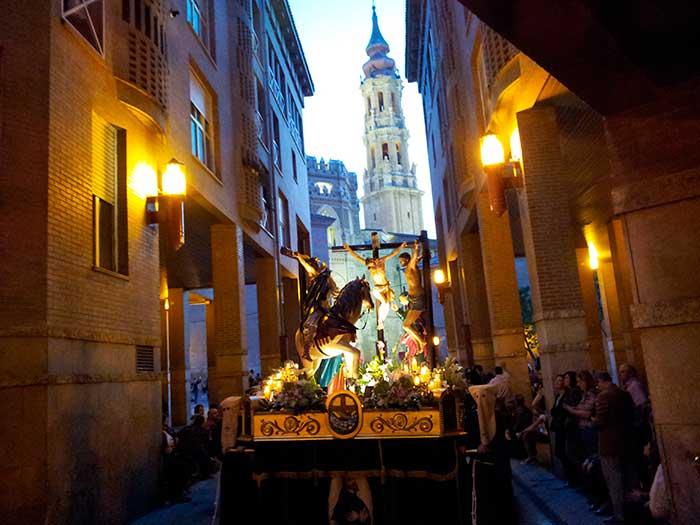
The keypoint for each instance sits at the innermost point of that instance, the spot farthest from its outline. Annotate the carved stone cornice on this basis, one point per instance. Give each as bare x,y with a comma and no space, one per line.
648,193
59,332
77,379
564,347
549,315
666,313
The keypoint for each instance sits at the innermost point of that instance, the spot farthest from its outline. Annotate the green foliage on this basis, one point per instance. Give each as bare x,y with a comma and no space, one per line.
526,305
297,396
453,374
399,393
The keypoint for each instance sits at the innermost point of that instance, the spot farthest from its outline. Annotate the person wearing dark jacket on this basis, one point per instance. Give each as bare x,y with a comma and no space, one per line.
614,413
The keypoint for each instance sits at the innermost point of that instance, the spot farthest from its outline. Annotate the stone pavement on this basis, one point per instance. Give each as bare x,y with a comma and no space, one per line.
199,511
538,500
541,501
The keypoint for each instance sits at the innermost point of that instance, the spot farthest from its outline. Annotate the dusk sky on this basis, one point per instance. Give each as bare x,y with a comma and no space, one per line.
334,34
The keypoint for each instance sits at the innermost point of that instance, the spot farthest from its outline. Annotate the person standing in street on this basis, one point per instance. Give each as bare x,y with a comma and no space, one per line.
613,419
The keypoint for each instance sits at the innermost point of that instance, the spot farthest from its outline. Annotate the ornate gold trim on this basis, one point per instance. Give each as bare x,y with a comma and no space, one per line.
399,422
286,425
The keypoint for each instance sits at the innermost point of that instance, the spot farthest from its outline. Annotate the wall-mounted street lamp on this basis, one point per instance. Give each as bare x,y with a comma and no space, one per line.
592,256
499,173
443,286
167,206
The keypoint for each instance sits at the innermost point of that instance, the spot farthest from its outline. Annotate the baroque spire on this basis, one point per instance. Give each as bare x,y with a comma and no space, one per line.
377,48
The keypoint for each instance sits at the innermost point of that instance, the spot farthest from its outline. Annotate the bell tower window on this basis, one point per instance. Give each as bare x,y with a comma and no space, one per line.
380,98
398,153
385,151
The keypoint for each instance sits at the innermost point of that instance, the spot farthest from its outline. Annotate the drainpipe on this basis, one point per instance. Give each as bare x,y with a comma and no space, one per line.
274,198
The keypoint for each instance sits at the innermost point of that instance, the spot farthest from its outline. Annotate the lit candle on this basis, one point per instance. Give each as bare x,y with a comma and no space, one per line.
416,380
414,364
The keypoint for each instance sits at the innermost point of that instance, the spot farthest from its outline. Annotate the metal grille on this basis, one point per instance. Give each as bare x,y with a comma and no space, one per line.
496,53
252,191
144,359
147,64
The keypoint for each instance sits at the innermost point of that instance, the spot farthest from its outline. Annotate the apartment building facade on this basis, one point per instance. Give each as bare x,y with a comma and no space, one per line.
100,99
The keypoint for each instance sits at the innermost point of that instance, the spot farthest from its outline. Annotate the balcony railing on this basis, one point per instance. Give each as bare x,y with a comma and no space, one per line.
260,126
276,153
257,50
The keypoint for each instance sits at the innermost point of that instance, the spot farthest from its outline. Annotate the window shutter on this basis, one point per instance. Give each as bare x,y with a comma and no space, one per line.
104,160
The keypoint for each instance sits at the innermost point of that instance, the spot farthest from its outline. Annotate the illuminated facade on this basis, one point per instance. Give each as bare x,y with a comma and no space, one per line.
602,207
391,199
97,298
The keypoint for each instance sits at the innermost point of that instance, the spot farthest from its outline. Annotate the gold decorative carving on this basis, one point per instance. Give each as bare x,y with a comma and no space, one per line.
289,425
399,422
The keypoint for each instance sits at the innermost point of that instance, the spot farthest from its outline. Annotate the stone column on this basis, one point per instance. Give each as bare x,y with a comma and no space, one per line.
292,314
231,344
179,356
624,276
211,353
655,161
459,350
548,233
596,350
477,302
503,296
615,340
268,314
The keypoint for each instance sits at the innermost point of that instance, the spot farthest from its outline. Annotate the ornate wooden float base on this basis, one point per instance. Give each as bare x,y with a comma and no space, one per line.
345,418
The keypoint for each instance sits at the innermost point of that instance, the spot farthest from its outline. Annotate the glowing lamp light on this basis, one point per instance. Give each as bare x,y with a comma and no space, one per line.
174,182
592,256
491,151
144,180
516,149
439,277
436,340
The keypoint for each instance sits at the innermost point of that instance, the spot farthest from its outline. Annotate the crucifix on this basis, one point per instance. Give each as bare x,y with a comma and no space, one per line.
382,290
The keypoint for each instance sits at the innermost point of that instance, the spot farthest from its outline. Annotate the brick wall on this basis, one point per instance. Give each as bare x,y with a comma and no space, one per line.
553,276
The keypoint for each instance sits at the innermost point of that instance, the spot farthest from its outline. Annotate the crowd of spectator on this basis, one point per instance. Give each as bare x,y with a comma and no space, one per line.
190,454
601,434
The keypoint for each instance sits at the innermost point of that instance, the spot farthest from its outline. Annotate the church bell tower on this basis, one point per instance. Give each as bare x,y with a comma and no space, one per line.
392,201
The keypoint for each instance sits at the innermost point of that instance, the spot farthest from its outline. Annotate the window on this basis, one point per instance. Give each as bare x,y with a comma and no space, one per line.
87,18
385,151
276,140
198,18
374,158
393,103
294,166
283,212
110,234
380,103
201,113
331,236
398,153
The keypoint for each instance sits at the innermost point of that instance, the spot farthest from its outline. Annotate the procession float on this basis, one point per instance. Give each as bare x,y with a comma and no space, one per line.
356,444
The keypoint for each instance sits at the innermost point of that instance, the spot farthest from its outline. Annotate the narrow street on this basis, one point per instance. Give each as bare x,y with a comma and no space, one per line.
538,494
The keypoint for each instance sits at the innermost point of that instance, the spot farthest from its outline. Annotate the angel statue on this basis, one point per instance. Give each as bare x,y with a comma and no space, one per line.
320,291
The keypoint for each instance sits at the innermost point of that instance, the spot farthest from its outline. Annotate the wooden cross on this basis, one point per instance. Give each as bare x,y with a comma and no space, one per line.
427,286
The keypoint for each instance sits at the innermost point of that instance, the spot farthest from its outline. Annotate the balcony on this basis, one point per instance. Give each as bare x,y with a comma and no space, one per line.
260,127
276,154
257,50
